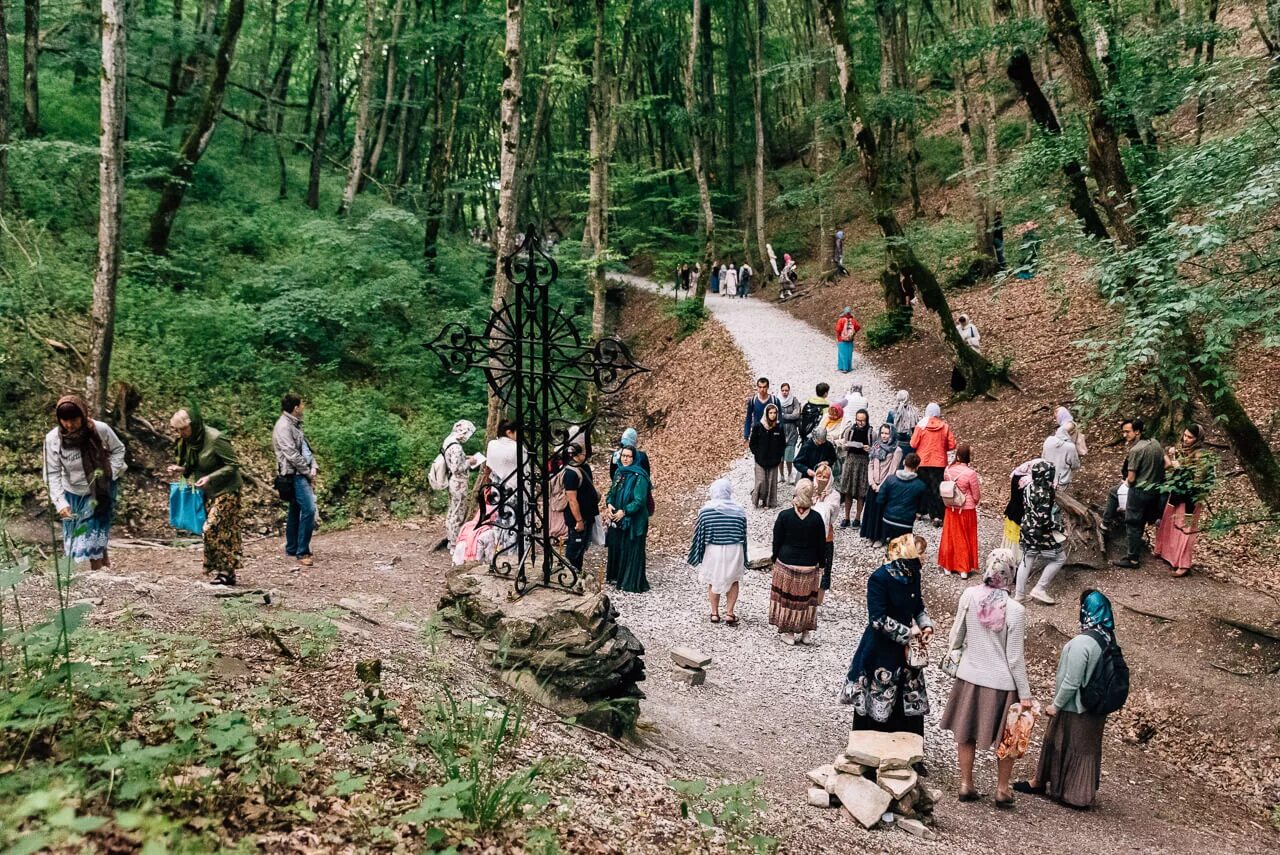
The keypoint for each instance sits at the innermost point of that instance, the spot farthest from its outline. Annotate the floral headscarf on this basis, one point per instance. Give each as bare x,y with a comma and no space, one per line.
1001,569
462,431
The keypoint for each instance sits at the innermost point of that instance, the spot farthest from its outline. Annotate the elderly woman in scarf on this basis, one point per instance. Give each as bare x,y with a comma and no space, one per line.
1070,767
627,514
1189,470
459,464
719,549
883,459
83,460
799,546
888,693
986,644
1041,534
206,456
903,418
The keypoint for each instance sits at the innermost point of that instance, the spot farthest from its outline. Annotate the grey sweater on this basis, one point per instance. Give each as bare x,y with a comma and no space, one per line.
994,660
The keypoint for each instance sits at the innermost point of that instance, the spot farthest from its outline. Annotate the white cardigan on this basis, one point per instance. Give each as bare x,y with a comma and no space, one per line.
63,471
991,659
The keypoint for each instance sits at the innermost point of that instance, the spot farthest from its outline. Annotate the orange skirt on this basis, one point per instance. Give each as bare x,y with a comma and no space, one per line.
958,552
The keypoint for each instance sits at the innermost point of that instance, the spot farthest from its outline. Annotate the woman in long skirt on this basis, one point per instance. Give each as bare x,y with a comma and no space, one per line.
719,549
628,516
83,461
799,539
958,550
846,329
887,693
826,501
207,457
883,459
1179,526
854,443
1070,767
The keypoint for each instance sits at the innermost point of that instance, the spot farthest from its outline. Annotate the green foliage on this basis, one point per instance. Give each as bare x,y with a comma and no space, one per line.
734,809
689,314
889,327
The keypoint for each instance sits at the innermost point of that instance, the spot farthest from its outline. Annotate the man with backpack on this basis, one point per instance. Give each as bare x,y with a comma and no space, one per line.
581,504
813,410
1092,683
756,405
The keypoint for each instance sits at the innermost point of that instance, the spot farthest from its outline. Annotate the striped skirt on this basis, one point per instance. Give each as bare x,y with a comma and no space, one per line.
793,600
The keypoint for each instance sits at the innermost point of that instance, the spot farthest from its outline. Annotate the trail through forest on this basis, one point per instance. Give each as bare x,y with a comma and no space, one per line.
768,709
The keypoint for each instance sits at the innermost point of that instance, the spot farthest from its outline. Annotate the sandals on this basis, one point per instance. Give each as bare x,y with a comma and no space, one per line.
715,618
731,620
1004,804
971,796
1025,787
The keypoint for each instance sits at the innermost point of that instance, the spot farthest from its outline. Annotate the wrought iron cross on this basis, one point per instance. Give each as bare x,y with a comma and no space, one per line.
536,363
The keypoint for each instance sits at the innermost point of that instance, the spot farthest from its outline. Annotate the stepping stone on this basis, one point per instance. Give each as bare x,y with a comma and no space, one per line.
819,797
885,750
820,775
864,801
759,556
897,787
689,658
689,676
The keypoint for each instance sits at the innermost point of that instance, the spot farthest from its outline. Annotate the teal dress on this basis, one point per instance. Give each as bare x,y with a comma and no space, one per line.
626,538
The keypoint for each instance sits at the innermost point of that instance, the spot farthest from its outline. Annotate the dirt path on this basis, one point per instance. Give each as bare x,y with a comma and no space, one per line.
770,710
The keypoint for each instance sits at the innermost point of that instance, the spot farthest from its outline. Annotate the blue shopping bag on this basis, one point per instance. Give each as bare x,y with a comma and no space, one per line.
186,507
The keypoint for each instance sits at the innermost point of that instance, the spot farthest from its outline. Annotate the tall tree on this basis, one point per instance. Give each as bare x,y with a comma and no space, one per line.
598,113
110,200
31,68
198,135
362,111
175,66
324,84
757,97
972,365
389,88
4,101
696,125
508,160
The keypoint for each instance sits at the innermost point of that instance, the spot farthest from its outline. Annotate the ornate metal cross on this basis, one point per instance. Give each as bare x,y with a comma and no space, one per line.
536,363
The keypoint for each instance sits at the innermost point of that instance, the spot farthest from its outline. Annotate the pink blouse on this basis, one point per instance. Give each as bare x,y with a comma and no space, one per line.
968,482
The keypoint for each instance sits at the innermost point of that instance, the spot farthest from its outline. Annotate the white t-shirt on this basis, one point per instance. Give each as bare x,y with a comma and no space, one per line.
501,457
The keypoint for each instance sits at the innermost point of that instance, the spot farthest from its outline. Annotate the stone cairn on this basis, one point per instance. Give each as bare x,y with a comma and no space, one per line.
873,778
689,666
564,651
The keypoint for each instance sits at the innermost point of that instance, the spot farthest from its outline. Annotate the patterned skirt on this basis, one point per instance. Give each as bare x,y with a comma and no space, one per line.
84,536
853,476
222,546
793,600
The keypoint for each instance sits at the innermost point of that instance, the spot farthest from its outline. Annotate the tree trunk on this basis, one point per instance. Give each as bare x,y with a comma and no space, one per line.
982,212
362,112
762,251
275,114
323,87
110,201
389,88
175,66
695,140
4,103
450,70
598,120
407,115
1251,448
1019,71
31,68
198,136
1211,44
507,227
1114,190
541,116
971,364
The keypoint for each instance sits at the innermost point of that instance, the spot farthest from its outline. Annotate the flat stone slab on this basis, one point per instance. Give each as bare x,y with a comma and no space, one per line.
689,657
849,767
864,801
759,556
819,797
821,775
885,750
895,786
689,676
918,828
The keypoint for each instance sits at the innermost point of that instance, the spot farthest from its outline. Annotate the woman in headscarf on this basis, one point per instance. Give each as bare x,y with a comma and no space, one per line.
883,460
932,439
1070,767
826,500
719,549
459,465
630,439
987,641
1190,469
903,419
1060,450
1041,534
789,410
833,421
83,461
768,445
958,551
787,277
799,545
206,456
887,693
1062,415
855,442
846,328
1014,509
627,513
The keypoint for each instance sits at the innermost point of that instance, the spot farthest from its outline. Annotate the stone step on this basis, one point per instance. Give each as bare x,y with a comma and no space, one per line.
689,657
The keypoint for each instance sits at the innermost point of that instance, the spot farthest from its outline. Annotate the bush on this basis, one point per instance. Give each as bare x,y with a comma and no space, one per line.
689,315
889,328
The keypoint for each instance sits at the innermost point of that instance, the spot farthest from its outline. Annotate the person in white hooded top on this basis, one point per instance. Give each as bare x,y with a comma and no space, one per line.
1060,450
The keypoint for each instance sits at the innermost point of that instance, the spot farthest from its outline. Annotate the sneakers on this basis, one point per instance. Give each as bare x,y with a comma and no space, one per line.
846,524
1041,597
965,576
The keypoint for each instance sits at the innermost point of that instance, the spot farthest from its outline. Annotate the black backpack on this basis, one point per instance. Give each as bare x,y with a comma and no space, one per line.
1108,686
810,415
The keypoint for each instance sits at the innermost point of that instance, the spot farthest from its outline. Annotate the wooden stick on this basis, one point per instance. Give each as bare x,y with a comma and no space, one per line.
1154,615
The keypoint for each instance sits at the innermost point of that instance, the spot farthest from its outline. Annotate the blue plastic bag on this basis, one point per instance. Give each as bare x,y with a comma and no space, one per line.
186,507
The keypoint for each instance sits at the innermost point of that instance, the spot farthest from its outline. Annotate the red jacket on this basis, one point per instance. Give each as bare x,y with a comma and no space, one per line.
933,441
842,321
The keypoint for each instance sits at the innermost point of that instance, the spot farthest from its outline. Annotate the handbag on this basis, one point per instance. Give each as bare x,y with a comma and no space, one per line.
186,507
951,662
951,494
917,652
285,488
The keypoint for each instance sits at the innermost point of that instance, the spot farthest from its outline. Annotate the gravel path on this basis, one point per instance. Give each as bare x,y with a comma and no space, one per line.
770,710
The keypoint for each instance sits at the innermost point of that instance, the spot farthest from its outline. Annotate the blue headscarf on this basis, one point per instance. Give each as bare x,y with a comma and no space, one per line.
630,438
1095,613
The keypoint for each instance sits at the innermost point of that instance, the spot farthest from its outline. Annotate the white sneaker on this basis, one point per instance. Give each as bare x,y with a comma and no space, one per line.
804,638
1041,597
965,576
789,638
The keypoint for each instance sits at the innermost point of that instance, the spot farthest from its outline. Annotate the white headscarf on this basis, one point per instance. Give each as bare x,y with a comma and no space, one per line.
463,430
722,499
933,410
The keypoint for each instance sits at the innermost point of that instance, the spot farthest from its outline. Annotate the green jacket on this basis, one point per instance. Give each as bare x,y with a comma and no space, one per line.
1079,658
630,494
217,460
